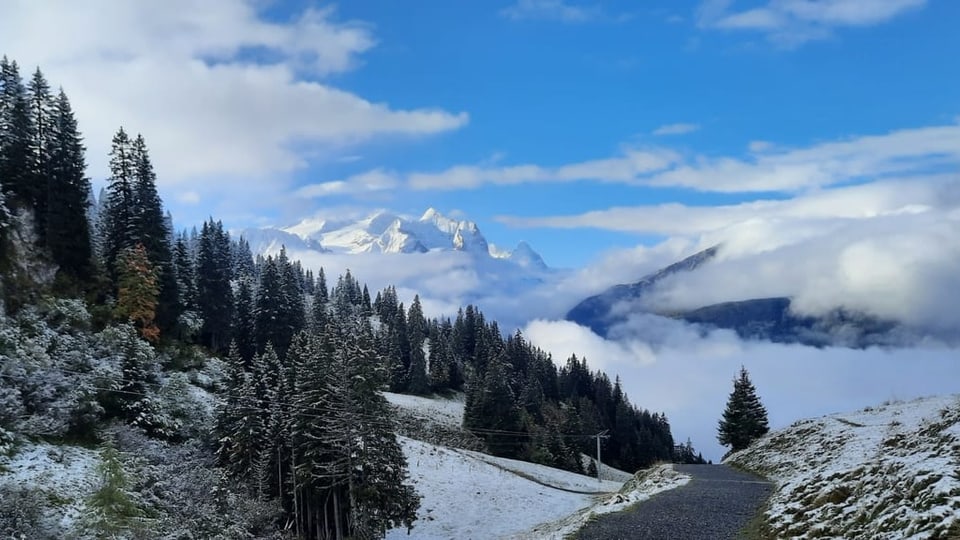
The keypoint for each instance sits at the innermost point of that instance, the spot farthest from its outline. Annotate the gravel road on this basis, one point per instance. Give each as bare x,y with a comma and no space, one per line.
714,505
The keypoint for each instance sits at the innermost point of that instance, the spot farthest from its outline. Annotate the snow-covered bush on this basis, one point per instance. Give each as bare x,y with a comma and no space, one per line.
212,376
189,324
66,314
21,512
45,387
186,496
178,398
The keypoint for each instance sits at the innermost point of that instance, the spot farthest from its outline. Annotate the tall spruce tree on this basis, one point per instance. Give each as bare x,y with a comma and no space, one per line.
16,137
186,275
245,323
367,458
321,298
292,309
119,212
745,418
214,292
268,307
42,112
238,426
418,378
68,228
153,231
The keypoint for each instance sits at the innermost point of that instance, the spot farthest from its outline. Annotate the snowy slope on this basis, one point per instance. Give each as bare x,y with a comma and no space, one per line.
65,476
272,240
886,472
465,497
469,494
444,411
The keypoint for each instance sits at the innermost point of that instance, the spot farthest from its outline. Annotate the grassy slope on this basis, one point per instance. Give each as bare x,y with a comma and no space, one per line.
886,472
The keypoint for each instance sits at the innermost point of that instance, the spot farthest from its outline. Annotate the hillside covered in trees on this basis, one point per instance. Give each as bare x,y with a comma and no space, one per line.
248,387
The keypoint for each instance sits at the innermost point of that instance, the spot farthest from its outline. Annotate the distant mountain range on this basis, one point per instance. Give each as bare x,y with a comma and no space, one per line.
752,318
385,232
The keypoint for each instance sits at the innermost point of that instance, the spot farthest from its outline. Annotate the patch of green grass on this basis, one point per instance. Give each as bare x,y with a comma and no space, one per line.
758,528
837,495
57,500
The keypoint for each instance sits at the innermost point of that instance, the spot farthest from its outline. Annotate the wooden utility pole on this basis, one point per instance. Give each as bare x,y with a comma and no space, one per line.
602,435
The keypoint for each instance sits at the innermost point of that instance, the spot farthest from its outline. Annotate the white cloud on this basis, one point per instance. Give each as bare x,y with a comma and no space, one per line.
793,22
671,367
368,182
888,249
907,151
864,201
764,168
676,129
558,10
624,168
224,98
189,197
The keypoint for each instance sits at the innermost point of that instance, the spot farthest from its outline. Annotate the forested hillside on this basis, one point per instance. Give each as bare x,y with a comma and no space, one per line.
231,395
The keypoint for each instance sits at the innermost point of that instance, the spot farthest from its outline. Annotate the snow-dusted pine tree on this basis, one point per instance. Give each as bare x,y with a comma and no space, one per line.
745,418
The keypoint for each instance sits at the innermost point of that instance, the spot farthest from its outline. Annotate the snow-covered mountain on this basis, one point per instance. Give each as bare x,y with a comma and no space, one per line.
385,232
447,261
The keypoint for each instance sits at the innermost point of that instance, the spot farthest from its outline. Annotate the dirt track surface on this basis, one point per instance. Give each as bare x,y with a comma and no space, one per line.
715,505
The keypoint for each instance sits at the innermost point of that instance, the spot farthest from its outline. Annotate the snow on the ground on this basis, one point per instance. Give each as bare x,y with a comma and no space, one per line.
606,472
464,497
644,485
547,475
66,474
447,412
891,471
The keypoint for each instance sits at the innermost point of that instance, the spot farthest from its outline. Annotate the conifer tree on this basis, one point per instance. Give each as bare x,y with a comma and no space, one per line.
744,418
214,293
245,323
367,455
68,227
111,510
41,107
270,459
238,426
491,405
153,231
243,264
292,309
268,308
4,219
16,137
186,275
321,297
119,219
441,361
418,379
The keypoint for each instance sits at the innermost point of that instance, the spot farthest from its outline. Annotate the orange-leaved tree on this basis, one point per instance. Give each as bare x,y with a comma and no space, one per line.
138,290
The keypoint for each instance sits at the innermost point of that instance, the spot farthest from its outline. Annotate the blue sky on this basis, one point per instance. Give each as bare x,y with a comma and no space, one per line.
547,91
818,140
408,105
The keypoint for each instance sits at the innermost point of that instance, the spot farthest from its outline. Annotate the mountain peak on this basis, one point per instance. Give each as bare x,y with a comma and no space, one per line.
385,232
525,256
430,214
